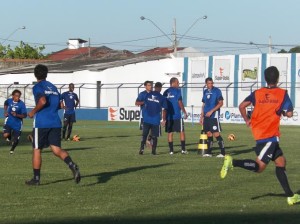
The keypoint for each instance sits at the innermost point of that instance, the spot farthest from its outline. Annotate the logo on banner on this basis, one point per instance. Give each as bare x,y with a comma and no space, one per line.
221,76
112,114
227,115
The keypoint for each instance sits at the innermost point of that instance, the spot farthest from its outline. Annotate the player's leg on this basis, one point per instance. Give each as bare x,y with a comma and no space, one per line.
54,139
217,135
65,125
155,130
182,136
169,130
207,129
15,140
39,141
146,129
7,133
72,120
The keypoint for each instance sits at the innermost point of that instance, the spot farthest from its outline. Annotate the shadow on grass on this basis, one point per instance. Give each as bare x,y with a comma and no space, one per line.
106,176
242,217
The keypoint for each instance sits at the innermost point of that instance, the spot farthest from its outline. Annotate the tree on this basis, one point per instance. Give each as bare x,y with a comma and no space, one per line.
23,51
295,49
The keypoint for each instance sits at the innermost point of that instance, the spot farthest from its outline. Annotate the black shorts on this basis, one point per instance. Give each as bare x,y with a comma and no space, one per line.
176,125
211,125
268,151
44,137
15,134
69,118
155,130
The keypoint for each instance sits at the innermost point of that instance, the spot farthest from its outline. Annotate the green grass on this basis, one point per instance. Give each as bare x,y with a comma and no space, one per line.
120,186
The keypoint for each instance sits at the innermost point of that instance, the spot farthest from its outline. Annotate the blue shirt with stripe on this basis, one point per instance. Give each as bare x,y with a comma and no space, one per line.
173,96
211,98
19,108
48,116
142,97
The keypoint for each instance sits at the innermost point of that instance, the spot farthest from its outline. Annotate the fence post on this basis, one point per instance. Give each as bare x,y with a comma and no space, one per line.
98,93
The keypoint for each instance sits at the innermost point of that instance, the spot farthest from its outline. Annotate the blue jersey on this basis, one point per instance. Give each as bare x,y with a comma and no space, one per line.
173,96
70,99
48,116
154,103
142,97
17,107
211,98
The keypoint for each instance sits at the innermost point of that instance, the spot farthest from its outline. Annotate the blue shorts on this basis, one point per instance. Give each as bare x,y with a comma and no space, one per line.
69,118
44,137
211,125
176,125
268,151
155,129
14,133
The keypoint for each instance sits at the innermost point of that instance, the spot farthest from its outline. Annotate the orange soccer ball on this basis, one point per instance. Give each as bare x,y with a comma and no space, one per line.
76,138
231,137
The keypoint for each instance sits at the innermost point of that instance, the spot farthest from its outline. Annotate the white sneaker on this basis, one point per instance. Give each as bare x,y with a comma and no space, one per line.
207,155
11,152
171,153
220,156
184,152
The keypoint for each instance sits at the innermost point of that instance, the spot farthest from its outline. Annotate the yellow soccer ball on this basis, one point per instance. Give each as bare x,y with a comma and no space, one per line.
231,137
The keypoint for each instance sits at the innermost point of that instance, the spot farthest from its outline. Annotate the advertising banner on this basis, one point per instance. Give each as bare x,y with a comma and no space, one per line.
198,74
249,73
221,71
228,115
282,64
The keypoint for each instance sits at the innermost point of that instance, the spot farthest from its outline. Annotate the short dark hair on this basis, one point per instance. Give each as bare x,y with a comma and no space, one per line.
208,79
158,84
40,72
16,91
148,82
271,75
172,80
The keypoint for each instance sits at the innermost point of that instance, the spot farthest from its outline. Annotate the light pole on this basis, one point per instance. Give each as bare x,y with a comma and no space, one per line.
12,33
144,18
174,41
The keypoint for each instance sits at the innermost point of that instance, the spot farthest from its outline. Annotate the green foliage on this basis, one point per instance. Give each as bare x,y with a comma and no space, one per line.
23,51
295,49
120,186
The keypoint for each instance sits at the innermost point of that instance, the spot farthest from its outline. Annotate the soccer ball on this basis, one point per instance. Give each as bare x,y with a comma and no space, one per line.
231,137
76,138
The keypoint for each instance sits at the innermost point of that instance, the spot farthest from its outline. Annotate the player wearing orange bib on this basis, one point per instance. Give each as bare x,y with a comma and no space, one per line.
269,104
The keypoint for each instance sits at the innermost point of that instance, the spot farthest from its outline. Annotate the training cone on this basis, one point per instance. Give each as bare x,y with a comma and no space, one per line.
202,146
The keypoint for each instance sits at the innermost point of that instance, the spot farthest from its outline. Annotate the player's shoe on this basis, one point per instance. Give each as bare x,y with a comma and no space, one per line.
184,152
11,152
226,166
32,182
207,155
76,173
220,156
68,139
171,153
7,139
153,152
30,138
141,152
293,200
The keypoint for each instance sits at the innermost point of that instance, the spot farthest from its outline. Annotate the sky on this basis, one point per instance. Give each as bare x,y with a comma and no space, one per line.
230,27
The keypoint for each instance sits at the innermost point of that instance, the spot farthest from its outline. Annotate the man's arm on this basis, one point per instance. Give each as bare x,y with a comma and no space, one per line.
5,110
182,108
243,111
217,107
41,103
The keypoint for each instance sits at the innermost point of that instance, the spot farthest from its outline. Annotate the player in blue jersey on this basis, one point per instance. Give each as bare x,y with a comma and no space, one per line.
140,102
70,102
47,125
212,101
14,112
153,105
175,110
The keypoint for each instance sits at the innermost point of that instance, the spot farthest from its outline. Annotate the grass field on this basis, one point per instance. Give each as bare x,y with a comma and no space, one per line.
120,186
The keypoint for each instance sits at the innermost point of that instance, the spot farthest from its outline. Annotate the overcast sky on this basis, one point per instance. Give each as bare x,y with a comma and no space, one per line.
229,28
